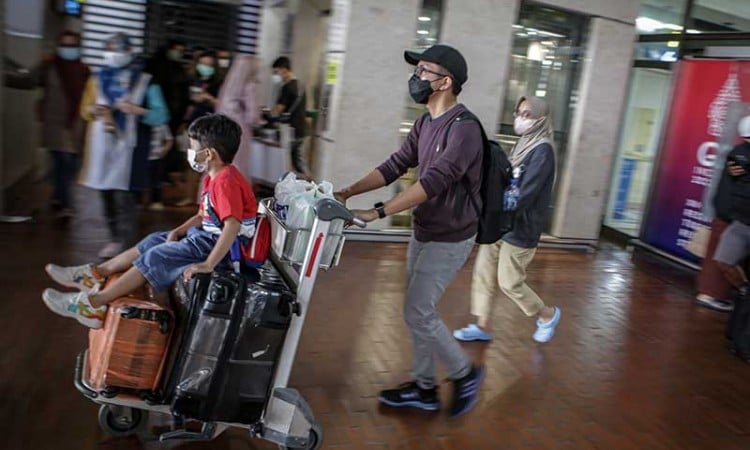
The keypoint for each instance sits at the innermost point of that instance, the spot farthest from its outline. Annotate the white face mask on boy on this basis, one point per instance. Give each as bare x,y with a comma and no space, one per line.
198,166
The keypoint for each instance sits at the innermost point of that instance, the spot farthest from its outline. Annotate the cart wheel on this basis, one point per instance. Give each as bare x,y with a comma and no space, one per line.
313,442
120,421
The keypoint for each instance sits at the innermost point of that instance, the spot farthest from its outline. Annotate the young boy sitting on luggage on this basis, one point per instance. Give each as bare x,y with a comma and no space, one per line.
198,245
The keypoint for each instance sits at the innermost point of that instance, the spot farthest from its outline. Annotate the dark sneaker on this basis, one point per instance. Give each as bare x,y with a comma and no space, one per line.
409,394
466,391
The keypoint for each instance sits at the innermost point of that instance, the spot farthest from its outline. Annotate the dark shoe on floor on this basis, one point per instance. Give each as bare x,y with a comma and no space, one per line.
411,395
466,391
716,304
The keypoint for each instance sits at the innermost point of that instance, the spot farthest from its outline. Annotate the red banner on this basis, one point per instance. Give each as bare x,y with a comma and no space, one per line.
702,95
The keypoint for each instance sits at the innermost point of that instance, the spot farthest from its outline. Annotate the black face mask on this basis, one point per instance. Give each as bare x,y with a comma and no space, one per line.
420,90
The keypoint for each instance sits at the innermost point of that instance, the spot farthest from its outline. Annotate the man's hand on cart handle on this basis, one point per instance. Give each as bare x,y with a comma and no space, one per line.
364,215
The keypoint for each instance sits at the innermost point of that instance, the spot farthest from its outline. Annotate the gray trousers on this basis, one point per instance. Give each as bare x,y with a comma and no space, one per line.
431,266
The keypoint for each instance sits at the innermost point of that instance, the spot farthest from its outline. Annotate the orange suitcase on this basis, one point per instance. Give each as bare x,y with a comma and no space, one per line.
127,354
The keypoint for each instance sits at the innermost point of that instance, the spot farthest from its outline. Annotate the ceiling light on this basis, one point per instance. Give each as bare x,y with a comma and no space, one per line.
423,32
673,44
648,24
423,19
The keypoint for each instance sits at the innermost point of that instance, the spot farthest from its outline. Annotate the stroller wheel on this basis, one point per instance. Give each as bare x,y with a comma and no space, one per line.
121,421
313,442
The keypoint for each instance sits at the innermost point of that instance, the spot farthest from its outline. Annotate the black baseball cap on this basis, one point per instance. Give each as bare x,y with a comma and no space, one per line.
448,57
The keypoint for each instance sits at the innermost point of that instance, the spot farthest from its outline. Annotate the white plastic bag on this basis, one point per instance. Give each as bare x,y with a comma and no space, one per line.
300,214
284,189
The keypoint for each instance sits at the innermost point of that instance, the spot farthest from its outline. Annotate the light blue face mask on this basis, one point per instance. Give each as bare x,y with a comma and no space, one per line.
69,53
205,70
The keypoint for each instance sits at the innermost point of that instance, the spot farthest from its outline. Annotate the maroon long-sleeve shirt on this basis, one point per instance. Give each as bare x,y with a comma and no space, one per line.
439,218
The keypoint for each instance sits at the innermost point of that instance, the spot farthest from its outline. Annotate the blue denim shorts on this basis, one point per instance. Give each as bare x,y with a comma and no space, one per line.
162,263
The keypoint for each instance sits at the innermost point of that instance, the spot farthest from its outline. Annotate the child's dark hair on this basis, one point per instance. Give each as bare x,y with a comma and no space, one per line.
219,132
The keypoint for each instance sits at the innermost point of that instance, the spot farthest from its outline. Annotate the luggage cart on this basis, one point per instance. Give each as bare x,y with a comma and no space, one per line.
287,419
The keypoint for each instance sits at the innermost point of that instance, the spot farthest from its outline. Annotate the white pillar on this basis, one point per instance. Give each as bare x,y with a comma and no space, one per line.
482,31
594,132
371,92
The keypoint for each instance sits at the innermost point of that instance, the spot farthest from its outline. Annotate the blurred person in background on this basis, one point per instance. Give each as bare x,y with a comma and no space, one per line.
734,244
204,90
238,100
121,103
63,79
161,142
223,63
170,73
292,104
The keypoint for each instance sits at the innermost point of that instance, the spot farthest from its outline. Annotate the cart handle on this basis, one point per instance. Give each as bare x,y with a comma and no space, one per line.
328,209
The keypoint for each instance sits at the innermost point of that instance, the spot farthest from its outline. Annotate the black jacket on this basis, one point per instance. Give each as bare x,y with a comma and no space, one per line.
739,187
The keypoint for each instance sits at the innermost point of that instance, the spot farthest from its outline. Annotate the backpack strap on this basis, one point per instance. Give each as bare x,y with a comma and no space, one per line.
235,251
464,116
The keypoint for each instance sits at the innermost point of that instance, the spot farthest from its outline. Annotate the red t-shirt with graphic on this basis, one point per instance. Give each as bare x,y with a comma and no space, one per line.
229,195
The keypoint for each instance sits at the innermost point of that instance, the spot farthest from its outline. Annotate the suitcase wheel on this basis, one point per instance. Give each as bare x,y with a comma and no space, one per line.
152,397
313,442
121,421
110,392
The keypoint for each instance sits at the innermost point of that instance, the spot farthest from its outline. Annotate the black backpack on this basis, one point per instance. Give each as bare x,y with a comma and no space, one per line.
497,172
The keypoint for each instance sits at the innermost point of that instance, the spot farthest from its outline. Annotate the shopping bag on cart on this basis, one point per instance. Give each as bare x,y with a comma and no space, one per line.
284,189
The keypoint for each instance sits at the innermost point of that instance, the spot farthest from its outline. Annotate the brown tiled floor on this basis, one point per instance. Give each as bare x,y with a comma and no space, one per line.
634,365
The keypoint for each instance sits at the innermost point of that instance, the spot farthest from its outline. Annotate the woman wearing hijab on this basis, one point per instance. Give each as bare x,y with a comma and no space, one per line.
503,264
121,103
237,100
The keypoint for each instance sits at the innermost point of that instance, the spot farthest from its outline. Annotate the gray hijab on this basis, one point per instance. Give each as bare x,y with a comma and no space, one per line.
539,133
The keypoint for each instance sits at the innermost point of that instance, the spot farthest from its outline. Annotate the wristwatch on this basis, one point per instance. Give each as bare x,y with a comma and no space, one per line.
380,208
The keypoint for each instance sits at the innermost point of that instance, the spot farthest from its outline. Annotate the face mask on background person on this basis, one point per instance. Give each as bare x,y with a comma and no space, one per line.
205,70
174,55
117,59
69,53
276,78
224,63
522,125
198,166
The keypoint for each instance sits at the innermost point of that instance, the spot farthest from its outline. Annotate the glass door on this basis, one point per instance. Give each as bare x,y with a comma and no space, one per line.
639,143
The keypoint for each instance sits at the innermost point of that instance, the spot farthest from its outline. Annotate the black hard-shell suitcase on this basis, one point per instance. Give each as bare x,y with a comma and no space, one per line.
233,341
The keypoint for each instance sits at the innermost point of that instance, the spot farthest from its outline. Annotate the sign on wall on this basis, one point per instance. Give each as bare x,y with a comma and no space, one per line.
703,93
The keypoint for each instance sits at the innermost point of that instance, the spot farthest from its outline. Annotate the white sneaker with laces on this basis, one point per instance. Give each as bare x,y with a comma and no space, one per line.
79,277
75,305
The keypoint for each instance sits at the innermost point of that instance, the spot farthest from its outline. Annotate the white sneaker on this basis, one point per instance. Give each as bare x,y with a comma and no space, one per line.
111,250
79,277
76,305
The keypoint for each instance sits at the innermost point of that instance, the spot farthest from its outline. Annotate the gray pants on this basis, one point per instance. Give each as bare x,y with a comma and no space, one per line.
431,266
